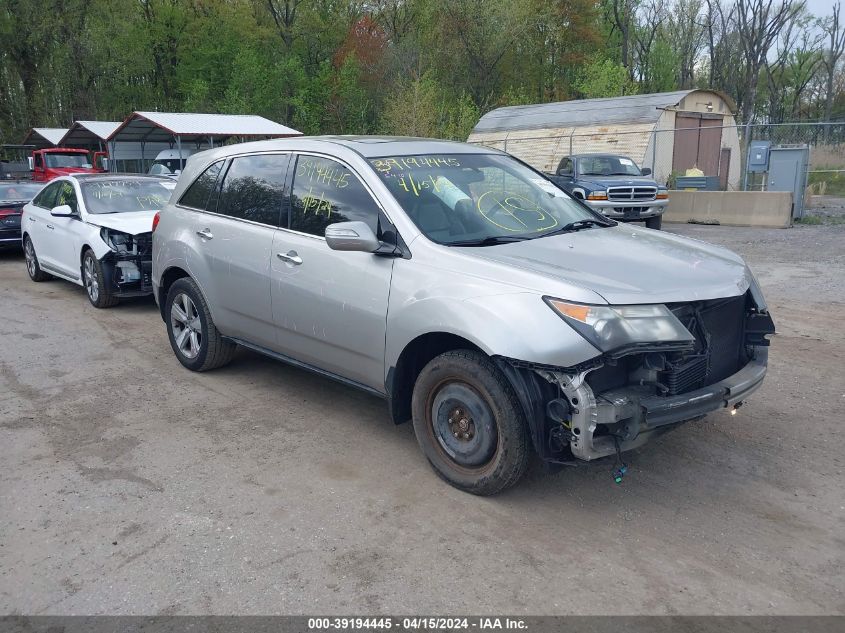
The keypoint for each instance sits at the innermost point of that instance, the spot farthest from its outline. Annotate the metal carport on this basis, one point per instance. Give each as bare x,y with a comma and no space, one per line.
176,128
89,134
41,137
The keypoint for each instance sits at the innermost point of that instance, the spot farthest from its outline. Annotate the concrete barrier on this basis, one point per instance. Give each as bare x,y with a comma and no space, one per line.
771,209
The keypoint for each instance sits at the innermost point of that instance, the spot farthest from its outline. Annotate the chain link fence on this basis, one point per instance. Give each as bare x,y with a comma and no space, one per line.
717,150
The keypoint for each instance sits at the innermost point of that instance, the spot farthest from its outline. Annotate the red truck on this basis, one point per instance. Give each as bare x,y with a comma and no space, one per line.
46,164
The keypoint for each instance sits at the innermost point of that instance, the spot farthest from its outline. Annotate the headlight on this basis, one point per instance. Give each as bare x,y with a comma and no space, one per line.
662,194
117,241
612,327
597,195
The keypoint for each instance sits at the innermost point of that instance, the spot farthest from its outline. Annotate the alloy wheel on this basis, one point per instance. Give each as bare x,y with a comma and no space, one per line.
92,280
186,325
31,262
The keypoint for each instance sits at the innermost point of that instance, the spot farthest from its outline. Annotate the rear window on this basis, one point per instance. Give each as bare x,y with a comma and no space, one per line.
199,193
126,195
15,192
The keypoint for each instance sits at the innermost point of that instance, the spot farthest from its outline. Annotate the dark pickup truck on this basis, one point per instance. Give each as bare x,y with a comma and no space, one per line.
614,186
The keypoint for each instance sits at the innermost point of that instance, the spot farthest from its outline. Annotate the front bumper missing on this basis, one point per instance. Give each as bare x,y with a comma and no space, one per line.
128,275
629,416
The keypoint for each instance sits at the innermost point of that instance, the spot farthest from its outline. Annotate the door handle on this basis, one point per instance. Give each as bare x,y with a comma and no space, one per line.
50,226
30,218
205,234
291,257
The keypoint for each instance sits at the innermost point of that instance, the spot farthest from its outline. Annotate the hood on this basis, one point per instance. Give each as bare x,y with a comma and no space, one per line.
628,265
601,182
132,223
67,171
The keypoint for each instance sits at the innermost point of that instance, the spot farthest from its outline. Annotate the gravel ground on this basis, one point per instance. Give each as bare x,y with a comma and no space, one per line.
129,485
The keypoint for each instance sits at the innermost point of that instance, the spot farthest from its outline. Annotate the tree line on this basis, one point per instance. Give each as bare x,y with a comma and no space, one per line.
414,67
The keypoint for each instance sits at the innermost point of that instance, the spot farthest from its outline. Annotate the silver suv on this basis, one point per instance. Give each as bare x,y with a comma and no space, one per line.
463,287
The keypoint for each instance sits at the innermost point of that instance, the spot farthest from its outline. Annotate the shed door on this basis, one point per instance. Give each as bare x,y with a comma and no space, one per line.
698,139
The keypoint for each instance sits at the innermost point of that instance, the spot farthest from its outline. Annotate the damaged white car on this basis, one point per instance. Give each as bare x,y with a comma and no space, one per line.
96,231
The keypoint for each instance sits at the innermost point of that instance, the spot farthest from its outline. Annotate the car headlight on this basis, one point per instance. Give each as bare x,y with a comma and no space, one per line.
117,241
597,195
612,327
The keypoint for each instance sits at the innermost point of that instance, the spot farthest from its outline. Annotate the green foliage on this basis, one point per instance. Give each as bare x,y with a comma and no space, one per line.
604,78
425,67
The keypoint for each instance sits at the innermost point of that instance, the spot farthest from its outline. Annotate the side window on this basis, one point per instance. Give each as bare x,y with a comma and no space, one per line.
565,167
67,195
199,192
325,192
46,198
254,188
38,160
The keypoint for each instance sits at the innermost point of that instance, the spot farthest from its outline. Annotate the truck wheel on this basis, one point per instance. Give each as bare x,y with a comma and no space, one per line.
654,223
195,339
95,286
469,423
32,266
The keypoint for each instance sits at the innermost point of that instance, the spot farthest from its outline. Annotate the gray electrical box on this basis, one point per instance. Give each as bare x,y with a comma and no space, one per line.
788,172
758,156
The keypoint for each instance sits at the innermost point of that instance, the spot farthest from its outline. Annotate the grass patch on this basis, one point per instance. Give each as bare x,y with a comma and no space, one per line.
815,220
830,183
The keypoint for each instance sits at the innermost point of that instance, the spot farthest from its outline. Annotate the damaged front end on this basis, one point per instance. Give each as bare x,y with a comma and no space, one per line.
628,395
127,266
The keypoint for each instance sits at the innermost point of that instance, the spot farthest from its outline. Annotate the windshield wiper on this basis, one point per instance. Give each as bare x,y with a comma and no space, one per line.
577,226
492,240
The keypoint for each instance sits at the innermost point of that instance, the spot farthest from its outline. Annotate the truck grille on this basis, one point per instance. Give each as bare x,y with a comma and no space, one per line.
628,194
718,328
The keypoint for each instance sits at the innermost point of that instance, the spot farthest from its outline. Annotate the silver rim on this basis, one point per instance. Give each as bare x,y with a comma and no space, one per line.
92,281
186,325
31,262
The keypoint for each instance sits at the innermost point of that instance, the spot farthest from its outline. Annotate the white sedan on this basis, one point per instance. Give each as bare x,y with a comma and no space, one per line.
96,231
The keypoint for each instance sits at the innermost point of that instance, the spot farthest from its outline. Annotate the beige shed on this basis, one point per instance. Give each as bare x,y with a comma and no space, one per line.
669,132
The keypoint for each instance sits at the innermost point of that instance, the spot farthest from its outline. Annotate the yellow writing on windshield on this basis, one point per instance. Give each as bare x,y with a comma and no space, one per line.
404,163
514,213
321,172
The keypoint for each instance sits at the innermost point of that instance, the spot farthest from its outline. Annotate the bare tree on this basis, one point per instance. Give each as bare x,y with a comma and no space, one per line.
686,34
759,23
834,30
283,13
623,16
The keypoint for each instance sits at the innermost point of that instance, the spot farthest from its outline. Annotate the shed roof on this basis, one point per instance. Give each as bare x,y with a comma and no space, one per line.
45,136
581,112
163,126
89,132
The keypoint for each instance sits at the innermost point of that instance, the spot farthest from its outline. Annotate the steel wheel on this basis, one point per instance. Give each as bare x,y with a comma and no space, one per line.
186,325
463,424
31,262
92,279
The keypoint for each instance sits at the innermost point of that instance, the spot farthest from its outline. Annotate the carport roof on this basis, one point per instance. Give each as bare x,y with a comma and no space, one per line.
42,137
164,126
89,132
582,112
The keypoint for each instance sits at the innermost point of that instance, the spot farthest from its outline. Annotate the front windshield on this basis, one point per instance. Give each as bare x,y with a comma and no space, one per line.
126,195
66,160
607,166
15,192
472,198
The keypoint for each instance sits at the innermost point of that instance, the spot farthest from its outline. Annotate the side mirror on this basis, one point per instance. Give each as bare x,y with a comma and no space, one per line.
62,211
30,161
646,171
351,236
564,172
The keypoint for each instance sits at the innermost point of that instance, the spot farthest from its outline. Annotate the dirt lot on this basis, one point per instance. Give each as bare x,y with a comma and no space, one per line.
129,485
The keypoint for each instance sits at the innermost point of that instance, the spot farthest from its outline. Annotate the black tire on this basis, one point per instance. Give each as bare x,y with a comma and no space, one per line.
93,280
491,451
654,223
32,265
212,350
